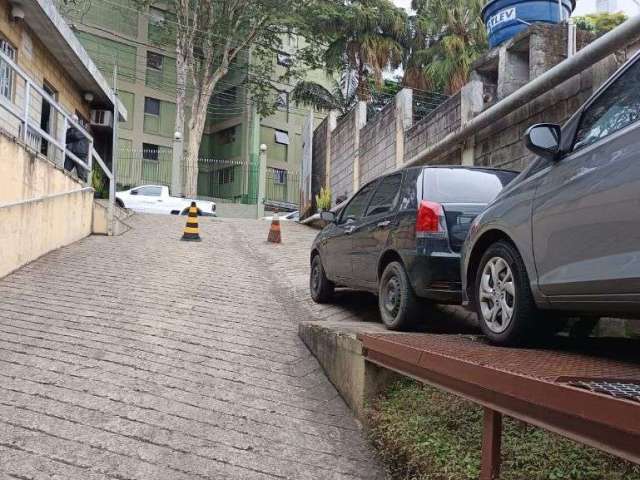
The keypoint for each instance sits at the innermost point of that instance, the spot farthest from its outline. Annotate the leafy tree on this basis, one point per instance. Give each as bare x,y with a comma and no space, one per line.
210,38
342,96
446,38
359,36
599,23
210,35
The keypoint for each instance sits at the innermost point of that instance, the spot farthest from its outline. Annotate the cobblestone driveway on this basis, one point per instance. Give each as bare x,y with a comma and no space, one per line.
143,357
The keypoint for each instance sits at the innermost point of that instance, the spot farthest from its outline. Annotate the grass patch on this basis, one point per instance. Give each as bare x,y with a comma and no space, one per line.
422,433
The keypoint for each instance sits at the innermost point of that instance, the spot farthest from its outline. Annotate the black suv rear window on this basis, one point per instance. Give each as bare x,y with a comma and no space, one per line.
459,185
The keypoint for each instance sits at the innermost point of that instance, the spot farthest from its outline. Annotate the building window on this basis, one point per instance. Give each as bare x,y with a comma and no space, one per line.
149,151
284,59
6,72
151,106
154,61
279,176
156,17
282,137
282,101
225,175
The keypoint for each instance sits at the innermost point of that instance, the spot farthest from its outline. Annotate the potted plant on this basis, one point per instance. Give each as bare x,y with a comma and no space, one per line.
323,199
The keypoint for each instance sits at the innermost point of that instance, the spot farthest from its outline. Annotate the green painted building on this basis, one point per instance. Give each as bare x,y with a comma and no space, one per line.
115,32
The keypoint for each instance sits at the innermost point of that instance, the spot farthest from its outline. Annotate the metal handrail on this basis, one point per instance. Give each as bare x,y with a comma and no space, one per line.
60,143
112,189
27,124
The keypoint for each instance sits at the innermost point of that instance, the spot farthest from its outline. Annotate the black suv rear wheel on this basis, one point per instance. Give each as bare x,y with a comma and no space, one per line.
396,300
320,286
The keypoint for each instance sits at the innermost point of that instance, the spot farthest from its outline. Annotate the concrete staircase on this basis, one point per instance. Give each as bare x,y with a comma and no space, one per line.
100,218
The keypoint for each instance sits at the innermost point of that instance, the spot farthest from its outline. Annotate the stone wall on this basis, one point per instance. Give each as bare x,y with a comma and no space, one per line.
378,144
501,145
386,141
434,127
319,156
344,152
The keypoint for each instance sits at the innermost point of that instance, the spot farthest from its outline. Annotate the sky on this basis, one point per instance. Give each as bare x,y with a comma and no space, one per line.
582,6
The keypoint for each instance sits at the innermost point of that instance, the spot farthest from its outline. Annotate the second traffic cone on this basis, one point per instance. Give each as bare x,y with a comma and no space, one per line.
191,230
274,232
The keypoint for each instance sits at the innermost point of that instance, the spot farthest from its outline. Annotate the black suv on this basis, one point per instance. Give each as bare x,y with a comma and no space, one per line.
400,237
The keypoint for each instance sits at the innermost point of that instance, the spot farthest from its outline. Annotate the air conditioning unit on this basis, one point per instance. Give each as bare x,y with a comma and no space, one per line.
101,118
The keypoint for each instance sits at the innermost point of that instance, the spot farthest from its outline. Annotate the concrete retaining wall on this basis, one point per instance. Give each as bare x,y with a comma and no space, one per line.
41,206
335,345
32,228
25,175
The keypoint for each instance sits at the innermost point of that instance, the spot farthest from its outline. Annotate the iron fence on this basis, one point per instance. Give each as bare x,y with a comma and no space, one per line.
144,166
221,179
282,187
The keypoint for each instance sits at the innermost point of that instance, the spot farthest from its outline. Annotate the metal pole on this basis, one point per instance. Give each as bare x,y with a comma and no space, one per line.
560,15
491,444
114,153
262,181
27,101
610,42
176,164
63,141
572,44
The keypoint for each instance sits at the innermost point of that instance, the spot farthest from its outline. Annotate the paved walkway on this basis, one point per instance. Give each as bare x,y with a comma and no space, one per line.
145,358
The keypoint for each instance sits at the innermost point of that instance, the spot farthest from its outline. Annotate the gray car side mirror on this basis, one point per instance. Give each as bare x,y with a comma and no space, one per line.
328,217
544,139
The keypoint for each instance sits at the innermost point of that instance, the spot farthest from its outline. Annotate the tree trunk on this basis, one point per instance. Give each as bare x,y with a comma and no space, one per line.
196,127
199,106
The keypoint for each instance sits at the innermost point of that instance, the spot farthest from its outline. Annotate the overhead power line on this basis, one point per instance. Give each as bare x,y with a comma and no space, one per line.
152,46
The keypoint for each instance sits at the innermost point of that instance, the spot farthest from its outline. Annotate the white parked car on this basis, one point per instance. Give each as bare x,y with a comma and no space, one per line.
156,199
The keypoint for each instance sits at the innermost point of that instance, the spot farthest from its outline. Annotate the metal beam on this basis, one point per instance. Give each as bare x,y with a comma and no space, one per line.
601,421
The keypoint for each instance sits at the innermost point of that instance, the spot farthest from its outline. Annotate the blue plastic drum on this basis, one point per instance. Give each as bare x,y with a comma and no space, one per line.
506,18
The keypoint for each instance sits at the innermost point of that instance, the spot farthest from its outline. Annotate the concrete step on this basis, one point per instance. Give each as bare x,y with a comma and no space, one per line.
100,218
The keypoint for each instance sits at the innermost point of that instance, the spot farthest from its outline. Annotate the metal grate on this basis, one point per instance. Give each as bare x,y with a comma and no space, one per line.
616,388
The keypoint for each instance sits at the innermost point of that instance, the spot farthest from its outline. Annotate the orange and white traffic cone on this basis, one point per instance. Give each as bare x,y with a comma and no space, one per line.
274,232
191,230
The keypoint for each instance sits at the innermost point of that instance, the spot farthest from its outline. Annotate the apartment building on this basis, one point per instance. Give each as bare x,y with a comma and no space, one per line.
116,33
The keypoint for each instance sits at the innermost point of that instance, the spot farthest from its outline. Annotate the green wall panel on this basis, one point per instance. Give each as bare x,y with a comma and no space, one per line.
214,145
164,79
162,33
128,100
119,16
163,124
275,151
106,53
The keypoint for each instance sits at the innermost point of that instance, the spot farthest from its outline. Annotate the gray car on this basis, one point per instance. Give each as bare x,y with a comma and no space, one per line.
564,236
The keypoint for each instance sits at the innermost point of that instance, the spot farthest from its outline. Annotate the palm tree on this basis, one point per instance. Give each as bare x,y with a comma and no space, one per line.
447,36
342,96
364,37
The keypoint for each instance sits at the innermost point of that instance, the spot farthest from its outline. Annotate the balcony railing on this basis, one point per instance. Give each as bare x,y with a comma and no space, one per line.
30,107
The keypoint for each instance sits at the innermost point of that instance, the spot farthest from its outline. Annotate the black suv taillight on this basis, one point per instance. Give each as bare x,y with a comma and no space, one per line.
430,220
